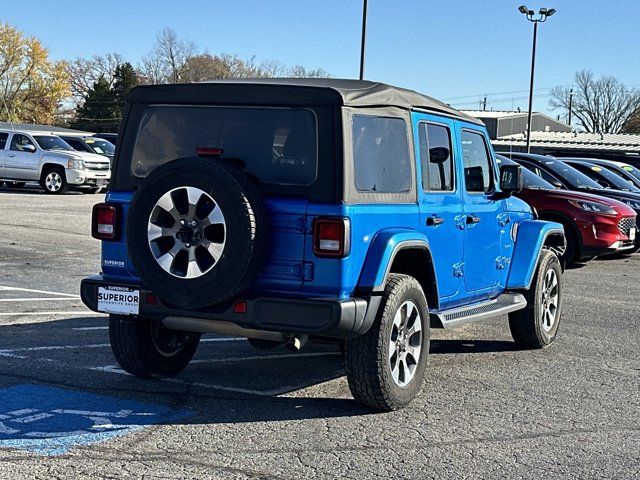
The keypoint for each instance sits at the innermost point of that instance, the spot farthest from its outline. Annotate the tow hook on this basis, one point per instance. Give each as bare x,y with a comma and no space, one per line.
295,343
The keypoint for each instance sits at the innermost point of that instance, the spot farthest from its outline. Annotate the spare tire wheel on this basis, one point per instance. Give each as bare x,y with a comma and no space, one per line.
197,232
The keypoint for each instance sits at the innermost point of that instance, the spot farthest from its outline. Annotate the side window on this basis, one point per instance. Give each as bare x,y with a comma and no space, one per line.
478,175
3,140
435,157
19,141
381,154
547,176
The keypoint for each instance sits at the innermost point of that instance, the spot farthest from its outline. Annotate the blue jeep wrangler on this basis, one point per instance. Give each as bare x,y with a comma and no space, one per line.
331,210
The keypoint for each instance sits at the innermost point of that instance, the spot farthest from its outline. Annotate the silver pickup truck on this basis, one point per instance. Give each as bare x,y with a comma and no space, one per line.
45,158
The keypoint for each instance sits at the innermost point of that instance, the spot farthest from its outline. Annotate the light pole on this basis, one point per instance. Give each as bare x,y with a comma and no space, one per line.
364,37
543,14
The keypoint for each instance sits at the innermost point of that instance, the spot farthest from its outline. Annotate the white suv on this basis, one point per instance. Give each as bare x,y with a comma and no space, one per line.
46,158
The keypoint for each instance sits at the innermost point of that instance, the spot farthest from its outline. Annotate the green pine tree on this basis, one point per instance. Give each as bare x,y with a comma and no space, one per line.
125,79
99,112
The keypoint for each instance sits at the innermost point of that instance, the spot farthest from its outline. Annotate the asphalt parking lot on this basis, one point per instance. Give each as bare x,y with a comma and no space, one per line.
487,410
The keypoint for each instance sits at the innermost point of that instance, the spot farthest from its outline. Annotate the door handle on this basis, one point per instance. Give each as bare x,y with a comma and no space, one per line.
11,155
434,221
471,219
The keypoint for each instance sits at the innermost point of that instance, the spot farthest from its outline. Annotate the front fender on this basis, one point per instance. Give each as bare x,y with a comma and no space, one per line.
531,237
381,253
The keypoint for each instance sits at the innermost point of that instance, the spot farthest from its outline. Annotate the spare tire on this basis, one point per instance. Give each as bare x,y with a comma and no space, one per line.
197,232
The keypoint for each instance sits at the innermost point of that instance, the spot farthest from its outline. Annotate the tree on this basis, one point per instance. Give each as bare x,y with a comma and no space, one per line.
125,79
632,125
99,112
85,72
604,105
31,86
168,60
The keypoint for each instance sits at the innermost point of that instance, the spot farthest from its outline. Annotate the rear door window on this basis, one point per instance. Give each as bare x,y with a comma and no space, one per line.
3,140
276,145
382,163
436,157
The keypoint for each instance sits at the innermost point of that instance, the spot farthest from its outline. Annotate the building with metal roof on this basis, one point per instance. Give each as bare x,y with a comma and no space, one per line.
28,127
503,123
614,146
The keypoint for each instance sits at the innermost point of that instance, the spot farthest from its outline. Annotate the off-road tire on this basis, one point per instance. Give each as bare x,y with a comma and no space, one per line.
64,186
135,350
247,232
526,325
366,357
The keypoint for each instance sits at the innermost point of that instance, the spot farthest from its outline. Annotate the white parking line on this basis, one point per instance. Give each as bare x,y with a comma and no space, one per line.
46,292
47,299
267,393
90,328
23,314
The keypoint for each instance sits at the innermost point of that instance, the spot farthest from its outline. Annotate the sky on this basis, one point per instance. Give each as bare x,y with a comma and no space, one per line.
455,50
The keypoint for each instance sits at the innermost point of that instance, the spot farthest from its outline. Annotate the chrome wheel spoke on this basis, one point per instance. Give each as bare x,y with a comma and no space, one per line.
405,343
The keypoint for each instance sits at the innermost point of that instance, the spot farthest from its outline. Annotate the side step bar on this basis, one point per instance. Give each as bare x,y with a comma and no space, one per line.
505,303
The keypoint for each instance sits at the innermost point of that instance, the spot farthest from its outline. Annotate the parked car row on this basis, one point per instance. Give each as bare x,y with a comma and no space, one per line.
56,163
597,201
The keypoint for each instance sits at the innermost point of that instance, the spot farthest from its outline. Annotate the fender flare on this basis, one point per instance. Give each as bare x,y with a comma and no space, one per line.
381,253
532,236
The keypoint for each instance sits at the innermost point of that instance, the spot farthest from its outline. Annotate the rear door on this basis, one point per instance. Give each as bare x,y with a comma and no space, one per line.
483,215
440,200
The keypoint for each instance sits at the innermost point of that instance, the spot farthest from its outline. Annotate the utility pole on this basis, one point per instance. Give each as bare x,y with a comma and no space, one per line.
364,37
484,104
544,13
570,106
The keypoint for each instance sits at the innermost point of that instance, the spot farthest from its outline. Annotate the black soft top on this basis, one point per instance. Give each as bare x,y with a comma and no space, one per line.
294,92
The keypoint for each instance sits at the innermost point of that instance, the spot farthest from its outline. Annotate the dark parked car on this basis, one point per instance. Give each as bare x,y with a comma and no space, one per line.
593,225
601,175
562,175
112,137
91,144
624,170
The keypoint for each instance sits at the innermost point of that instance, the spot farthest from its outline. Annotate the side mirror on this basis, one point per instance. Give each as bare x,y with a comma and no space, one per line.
29,148
438,154
511,179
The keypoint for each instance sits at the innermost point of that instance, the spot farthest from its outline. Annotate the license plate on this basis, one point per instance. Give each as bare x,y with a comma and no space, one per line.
632,233
101,182
120,300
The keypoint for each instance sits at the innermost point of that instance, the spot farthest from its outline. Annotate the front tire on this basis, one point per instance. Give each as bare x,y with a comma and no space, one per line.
54,181
536,326
145,348
385,366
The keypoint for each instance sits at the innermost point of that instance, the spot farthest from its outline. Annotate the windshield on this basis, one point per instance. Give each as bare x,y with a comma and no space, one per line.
630,169
51,142
277,145
597,172
572,176
531,180
100,146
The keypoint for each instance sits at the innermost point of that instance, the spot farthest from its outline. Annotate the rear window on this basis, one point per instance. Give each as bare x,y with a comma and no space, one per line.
277,145
381,154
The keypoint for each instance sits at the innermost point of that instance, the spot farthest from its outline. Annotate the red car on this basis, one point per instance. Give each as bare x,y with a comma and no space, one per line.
594,225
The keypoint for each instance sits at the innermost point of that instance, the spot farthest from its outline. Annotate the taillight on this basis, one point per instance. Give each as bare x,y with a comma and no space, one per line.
331,237
105,221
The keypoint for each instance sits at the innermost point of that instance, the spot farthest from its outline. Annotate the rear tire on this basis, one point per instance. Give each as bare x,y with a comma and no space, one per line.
145,348
54,180
385,366
536,325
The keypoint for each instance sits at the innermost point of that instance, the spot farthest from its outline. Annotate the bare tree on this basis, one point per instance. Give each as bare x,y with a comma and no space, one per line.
602,105
632,125
168,60
85,72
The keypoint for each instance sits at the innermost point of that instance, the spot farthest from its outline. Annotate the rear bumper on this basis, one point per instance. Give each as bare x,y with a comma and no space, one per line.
334,318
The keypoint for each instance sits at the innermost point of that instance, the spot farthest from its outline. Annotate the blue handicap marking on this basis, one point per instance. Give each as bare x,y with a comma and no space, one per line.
51,421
